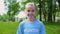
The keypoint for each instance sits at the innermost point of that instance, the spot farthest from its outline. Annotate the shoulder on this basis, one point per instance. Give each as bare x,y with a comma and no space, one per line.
40,22
23,22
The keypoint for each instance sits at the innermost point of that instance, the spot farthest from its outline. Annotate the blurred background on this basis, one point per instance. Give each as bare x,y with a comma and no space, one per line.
12,13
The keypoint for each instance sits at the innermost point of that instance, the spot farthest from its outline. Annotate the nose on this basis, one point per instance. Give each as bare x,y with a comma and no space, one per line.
30,12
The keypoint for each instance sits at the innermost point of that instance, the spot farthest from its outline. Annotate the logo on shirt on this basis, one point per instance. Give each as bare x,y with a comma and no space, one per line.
31,30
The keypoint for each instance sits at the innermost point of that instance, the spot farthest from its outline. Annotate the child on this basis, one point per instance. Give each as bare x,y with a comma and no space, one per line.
31,25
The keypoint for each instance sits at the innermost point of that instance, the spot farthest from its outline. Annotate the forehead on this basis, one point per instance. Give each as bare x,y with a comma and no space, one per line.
30,6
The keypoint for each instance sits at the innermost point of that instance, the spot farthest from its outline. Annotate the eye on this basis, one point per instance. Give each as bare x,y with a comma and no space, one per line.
32,10
28,10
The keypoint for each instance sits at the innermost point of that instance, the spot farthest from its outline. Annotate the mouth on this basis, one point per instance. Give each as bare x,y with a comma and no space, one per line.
31,16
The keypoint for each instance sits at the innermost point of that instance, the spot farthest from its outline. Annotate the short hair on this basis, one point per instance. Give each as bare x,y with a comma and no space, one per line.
31,4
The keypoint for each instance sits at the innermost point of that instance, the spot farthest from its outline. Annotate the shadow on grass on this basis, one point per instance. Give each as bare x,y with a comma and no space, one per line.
52,28
52,23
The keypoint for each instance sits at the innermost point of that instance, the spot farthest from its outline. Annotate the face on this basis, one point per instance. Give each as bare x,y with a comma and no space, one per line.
31,12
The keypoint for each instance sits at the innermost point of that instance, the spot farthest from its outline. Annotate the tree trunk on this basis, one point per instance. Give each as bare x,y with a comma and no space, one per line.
59,4
54,10
44,10
40,9
49,10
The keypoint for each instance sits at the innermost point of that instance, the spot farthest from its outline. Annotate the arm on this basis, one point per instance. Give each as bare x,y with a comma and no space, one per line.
42,30
19,31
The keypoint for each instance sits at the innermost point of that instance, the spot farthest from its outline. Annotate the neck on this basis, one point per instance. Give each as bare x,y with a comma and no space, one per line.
31,19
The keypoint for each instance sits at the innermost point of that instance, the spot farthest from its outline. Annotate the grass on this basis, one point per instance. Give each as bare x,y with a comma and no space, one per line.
52,28
11,28
8,28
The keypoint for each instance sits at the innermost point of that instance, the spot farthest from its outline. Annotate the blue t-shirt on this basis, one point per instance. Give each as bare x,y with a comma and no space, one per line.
35,27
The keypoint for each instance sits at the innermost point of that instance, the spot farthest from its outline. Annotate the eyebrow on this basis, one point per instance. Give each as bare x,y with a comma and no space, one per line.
31,4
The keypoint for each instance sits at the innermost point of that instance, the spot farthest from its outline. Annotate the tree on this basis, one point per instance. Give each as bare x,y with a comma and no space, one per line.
44,9
40,6
49,10
54,9
13,9
59,4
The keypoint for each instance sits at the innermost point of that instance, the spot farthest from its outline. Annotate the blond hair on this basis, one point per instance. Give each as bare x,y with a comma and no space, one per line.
32,4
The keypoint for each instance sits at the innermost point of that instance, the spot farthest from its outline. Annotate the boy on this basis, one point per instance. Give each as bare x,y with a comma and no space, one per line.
31,25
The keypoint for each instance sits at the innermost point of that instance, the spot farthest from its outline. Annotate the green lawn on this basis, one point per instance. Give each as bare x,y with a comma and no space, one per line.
11,28
52,28
8,27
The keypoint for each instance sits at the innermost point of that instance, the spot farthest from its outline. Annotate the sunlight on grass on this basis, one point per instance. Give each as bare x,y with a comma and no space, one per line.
8,28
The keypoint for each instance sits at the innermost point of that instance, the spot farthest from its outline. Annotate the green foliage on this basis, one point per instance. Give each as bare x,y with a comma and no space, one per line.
4,17
13,10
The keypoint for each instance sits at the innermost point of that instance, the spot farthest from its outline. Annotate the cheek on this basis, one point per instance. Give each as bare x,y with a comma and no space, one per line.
34,13
27,13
